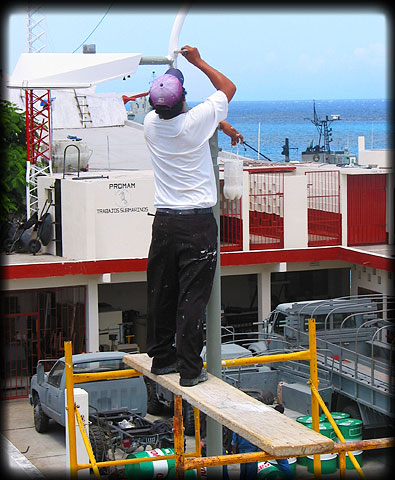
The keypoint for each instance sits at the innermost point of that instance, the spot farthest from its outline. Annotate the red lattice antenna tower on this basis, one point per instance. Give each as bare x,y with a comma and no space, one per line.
38,143
38,115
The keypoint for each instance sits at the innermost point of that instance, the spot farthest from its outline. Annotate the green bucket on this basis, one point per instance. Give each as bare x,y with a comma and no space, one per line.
351,429
292,464
154,470
307,420
325,428
267,471
337,416
328,463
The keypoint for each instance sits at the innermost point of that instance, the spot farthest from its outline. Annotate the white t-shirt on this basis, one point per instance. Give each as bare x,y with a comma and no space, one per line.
180,153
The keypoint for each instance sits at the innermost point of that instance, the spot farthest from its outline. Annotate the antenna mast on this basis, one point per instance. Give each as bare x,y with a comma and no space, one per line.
38,114
324,130
36,35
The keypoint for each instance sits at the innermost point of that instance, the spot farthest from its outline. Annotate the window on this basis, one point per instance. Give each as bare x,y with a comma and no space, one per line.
339,317
99,366
319,322
279,323
55,375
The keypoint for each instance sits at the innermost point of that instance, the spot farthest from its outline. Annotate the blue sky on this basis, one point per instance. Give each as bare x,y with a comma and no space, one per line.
269,53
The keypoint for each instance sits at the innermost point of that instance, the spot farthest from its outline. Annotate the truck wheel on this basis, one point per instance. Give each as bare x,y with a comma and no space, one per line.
98,443
188,418
165,429
154,407
41,420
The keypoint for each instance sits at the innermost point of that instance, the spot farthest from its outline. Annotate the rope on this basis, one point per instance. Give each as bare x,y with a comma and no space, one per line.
92,32
252,148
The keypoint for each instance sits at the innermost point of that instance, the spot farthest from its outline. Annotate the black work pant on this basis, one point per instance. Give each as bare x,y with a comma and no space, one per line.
180,272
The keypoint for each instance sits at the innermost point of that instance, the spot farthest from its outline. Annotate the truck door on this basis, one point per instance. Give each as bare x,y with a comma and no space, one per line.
54,392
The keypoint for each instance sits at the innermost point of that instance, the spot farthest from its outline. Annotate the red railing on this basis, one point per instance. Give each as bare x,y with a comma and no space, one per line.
231,225
323,204
266,207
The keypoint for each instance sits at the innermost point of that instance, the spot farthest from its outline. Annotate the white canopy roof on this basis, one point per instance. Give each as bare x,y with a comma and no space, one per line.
71,70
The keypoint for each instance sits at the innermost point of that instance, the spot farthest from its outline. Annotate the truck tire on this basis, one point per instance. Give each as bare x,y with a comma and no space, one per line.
41,420
98,443
188,418
154,406
165,428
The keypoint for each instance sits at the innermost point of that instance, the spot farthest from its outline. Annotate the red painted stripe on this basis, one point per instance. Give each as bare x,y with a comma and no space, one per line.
256,257
97,267
368,259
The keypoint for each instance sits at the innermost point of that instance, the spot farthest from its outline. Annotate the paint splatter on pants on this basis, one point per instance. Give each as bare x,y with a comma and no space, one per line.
180,272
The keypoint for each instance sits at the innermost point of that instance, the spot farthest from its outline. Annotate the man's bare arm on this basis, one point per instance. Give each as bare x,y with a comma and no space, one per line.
218,79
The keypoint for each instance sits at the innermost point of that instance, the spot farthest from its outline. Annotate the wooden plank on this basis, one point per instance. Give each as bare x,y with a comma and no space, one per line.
263,426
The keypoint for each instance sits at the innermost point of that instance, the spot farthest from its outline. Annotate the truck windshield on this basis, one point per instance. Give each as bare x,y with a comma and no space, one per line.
279,320
99,366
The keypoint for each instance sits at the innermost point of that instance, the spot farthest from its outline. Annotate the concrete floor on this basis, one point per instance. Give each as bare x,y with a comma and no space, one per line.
44,455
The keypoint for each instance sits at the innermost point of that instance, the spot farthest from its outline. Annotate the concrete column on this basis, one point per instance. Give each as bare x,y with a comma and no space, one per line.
245,211
343,208
295,211
264,294
92,317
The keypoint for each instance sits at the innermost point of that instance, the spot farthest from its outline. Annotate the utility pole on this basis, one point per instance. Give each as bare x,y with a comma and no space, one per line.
213,329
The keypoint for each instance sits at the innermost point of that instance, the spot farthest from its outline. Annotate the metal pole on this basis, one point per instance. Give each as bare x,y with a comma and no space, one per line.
146,60
213,329
70,409
178,438
314,383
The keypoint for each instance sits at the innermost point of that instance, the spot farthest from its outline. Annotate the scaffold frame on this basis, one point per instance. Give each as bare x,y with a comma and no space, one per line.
193,460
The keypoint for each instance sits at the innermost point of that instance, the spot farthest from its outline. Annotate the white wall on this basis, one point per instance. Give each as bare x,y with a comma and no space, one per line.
379,158
107,217
376,280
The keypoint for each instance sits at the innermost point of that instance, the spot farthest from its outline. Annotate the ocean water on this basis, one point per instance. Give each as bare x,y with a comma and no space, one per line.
291,119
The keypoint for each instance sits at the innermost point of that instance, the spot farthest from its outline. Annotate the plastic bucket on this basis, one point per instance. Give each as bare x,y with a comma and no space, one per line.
337,416
292,464
154,470
325,428
307,420
358,458
351,428
267,471
328,463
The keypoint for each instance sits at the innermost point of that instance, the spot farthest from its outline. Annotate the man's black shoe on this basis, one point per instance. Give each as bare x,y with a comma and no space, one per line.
164,370
190,382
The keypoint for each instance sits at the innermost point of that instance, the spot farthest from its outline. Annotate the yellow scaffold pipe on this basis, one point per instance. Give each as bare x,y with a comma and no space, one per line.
87,444
336,428
68,356
278,357
314,381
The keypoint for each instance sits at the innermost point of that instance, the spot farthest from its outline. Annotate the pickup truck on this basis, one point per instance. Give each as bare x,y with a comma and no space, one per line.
47,389
117,407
